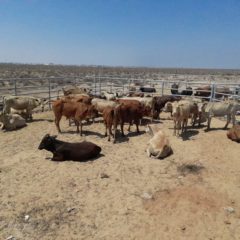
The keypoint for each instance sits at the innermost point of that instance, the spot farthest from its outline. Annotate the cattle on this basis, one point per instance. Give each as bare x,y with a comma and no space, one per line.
159,146
132,87
75,110
234,133
12,121
78,98
146,101
158,103
26,103
147,89
146,109
62,151
193,108
101,104
22,113
185,91
180,113
168,107
108,119
221,109
174,88
135,94
67,90
108,96
204,91
127,113
222,92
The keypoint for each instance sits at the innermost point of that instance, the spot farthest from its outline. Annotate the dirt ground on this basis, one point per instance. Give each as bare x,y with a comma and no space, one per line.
193,194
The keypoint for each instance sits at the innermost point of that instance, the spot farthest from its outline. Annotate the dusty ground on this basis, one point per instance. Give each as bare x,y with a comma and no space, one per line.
123,194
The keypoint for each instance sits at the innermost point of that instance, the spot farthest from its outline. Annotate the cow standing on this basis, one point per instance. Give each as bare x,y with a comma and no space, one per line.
22,103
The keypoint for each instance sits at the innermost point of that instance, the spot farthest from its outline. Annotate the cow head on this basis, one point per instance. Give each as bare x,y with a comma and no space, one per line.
47,143
175,109
41,102
168,107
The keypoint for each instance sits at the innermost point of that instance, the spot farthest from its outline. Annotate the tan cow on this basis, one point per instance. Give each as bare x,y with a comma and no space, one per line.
234,133
159,146
180,113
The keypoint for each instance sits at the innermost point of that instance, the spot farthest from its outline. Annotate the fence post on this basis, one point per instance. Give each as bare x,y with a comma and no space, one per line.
95,84
212,92
49,92
15,87
162,88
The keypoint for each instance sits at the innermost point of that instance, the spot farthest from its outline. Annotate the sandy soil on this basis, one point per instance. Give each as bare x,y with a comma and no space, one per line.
123,194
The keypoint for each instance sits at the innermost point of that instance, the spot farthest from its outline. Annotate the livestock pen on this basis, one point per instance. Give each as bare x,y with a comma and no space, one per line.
51,87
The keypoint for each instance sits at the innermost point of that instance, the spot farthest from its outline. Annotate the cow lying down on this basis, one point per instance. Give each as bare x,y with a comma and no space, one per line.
234,133
159,146
62,151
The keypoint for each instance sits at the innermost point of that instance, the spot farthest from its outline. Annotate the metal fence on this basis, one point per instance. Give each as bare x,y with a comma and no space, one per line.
50,87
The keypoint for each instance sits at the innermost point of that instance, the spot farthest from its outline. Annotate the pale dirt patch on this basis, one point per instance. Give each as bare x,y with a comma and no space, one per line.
72,200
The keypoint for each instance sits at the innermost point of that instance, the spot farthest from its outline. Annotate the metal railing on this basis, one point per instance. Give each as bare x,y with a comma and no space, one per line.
50,87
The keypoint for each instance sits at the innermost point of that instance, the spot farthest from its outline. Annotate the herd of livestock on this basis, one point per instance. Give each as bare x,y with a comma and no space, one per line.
78,105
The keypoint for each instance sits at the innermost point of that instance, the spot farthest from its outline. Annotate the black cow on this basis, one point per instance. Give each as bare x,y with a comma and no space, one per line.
174,88
62,151
148,89
159,102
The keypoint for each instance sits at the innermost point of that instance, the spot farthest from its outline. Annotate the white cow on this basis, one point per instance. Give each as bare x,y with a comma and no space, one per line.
26,103
12,121
108,96
180,113
101,104
220,109
159,146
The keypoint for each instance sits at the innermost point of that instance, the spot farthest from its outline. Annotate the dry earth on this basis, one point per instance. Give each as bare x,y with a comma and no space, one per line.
193,194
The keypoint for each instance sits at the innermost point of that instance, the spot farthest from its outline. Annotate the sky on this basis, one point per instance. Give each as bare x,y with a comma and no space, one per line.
151,33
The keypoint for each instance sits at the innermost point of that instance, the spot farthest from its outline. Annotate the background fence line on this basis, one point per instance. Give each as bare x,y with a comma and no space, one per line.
49,87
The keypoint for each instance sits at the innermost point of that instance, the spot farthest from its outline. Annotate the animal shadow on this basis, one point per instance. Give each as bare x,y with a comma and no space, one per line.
188,134
40,120
83,161
215,129
134,134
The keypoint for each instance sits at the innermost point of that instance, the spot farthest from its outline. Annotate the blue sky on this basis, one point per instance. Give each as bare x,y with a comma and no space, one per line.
154,33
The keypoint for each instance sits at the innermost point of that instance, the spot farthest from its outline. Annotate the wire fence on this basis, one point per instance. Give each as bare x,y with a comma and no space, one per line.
51,87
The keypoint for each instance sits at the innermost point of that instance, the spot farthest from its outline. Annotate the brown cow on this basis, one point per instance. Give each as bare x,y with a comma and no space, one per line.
234,133
146,110
108,119
77,110
127,113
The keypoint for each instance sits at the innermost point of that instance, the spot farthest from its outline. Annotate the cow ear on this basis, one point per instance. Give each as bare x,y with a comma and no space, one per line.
54,136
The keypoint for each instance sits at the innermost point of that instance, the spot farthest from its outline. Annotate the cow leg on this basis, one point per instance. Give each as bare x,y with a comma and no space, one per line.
233,119
80,128
137,124
129,126
228,121
185,125
57,121
105,130
209,122
178,127
122,124
57,157
148,153
174,131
